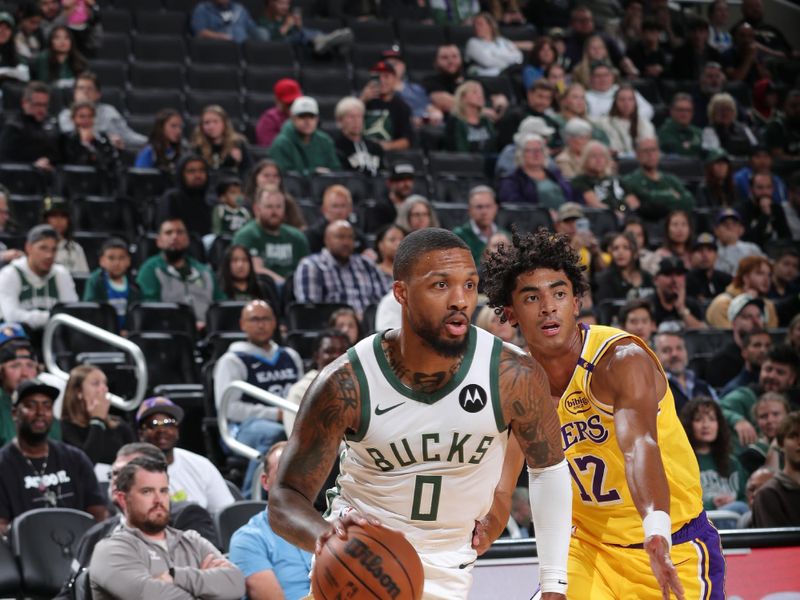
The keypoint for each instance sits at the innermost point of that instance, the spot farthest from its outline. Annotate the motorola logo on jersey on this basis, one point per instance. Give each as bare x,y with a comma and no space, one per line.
576,403
472,398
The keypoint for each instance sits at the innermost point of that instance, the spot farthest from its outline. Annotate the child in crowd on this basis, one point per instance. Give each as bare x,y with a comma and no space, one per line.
110,283
229,215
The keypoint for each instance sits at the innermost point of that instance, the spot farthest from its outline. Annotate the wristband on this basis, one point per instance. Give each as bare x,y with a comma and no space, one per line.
553,580
97,421
658,523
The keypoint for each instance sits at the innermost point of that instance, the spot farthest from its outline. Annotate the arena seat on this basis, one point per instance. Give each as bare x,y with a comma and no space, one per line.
706,341
603,221
173,23
234,516
22,179
81,180
309,316
212,77
324,81
69,343
105,214
159,48
359,185
455,163
525,217
116,46
167,317
455,189
169,357
451,214
149,102
412,34
303,343
155,75
10,582
197,100
26,210
373,31
115,20
224,316
134,5
207,51
258,53
110,73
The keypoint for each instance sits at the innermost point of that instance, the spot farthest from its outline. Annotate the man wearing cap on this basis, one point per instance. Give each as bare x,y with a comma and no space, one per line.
413,94
356,153
753,277
670,302
191,477
36,472
539,100
731,249
704,281
387,118
399,186
677,135
33,284
507,159
271,120
31,136
300,146
571,221
481,225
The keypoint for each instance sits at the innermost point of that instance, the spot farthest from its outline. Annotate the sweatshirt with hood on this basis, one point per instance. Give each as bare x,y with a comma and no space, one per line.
185,203
27,298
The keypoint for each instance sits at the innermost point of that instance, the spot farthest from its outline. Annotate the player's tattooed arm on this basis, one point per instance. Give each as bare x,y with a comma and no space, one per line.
330,408
528,407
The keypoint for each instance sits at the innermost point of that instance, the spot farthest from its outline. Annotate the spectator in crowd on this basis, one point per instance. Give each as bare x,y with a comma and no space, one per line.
110,282
677,241
542,55
355,152
454,13
86,422
346,321
752,278
657,192
468,129
230,214
768,412
187,200
284,24
623,125
31,465
539,100
6,223
719,36
12,66
595,50
716,190
721,474
481,226
572,105
192,477
777,503
581,28
747,315
755,346
785,271
792,207
646,53
670,348
572,222
731,248
272,567
597,183
387,239
276,247
337,274
416,212
301,146
746,61
328,346
507,159
224,20
487,52
704,281
31,136
768,36
670,302
399,186
216,140
174,276
264,173
166,145
678,135
576,134
783,132
624,278
61,62
388,118
763,219
86,145
337,204
31,285
602,88
17,363
148,558
778,374
712,82
271,120
411,92
237,276
688,60
447,76
107,118
760,161
29,39
755,482
724,131
766,104
636,317
69,253
533,182
263,363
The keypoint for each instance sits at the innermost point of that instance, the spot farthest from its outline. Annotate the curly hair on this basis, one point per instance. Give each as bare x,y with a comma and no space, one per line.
528,252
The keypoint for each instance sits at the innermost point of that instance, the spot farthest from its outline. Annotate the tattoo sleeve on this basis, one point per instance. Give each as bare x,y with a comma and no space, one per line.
527,406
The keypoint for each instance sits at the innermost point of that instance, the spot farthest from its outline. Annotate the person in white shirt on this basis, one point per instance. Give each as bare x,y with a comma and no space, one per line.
602,88
488,52
623,125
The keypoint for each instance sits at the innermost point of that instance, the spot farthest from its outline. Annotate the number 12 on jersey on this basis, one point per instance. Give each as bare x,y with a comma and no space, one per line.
594,467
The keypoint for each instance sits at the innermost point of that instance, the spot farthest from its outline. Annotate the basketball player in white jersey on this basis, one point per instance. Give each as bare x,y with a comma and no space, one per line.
425,412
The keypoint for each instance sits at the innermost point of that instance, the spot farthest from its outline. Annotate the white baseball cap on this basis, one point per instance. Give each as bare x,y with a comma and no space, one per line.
304,105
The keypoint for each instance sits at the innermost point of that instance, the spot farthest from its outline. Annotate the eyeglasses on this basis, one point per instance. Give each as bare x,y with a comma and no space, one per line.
156,423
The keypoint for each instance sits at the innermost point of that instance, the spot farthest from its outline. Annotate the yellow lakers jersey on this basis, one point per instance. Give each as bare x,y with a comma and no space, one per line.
602,506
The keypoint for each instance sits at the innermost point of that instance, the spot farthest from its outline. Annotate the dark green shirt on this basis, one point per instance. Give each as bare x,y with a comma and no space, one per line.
658,197
680,140
279,253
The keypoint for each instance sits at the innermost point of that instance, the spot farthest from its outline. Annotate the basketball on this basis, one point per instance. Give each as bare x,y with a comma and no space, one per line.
373,562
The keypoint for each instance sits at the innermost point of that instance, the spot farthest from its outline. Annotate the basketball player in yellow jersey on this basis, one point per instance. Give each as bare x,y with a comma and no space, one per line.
639,527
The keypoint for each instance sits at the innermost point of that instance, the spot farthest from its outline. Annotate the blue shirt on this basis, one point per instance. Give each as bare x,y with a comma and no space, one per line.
741,181
233,20
255,547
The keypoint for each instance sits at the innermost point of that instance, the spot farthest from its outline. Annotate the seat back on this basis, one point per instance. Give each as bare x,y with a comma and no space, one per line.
224,316
310,316
10,582
169,357
69,343
44,541
232,517
162,316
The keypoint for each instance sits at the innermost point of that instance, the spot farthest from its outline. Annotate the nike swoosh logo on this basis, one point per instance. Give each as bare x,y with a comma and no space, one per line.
380,411
465,565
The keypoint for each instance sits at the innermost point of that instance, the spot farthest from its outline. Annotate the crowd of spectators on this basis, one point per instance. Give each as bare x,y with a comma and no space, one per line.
664,144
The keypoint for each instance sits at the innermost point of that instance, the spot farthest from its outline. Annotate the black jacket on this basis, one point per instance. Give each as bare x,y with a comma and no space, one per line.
26,140
187,204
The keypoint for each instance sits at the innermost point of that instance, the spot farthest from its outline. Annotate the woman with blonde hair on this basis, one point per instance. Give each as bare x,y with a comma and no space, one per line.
489,53
724,131
595,50
416,212
85,419
216,140
469,130
597,182
572,105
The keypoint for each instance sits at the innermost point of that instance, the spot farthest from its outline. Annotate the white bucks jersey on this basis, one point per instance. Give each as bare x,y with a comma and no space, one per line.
426,464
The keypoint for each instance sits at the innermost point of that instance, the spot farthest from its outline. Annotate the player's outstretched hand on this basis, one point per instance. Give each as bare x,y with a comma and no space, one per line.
661,563
339,527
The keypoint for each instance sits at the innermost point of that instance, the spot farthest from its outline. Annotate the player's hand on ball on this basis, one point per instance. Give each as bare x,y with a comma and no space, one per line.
338,527
661,563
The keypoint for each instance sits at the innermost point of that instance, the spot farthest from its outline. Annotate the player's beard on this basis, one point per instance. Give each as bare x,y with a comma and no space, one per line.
431,335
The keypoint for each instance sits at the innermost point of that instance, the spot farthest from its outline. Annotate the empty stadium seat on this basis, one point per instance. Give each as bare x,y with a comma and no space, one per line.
451,214
234,516
110,73
159,75
372,32
81,180
268,54
325,82
115,20
169,357
449,188
174,23
10,582
206,51
359,185
455,163
412,34
262,79
159,48
224,316
526,218
105,214
303,343
310,316
419,58
22,179
145,184
197,100
26,211
364,55
69,343
170,317
706,341
115,46
134,5
602,220
218,342
212,77
149,102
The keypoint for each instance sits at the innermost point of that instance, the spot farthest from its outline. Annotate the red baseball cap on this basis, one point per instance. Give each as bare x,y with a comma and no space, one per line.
287,90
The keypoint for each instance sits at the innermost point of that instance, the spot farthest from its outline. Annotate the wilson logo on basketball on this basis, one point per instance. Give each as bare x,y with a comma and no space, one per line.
472,398
373,564
576,403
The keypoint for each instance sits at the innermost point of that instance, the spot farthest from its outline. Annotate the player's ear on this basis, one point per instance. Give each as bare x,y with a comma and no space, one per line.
508,311
400,290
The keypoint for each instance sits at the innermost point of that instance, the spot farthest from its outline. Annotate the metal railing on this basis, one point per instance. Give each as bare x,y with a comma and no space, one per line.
139,364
